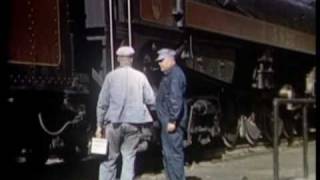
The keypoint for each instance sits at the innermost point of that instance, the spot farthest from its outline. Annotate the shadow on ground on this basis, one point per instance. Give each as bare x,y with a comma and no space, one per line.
151,160
193,178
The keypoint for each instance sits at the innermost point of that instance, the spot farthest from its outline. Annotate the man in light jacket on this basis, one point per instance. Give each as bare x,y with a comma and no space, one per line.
121,110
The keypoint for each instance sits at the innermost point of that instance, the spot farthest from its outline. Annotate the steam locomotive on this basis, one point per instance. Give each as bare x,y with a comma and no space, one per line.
236,55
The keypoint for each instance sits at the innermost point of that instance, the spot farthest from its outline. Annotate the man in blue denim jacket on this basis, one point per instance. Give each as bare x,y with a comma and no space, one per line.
121,111
172,113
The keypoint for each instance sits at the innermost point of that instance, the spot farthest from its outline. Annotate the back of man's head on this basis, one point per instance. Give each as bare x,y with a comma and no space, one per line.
126,51
125,55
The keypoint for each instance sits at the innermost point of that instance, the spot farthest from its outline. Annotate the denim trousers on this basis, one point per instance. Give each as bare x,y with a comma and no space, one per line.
173,155
122,138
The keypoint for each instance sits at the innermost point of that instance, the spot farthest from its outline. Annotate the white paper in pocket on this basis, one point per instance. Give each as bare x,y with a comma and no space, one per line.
99,146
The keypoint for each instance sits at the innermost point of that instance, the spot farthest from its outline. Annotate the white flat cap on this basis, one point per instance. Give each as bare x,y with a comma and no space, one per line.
125,51
164,53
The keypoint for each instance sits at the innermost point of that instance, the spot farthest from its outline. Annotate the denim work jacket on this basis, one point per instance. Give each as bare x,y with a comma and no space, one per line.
170,103
124,96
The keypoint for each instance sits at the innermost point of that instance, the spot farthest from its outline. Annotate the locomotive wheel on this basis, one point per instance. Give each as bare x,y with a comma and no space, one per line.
38,154
252,134
70,154
231,128
287,128
230,139
251,140
291,123
267,121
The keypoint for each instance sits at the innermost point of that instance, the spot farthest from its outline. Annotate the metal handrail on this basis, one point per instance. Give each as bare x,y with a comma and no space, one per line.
276,103
111,34
129,23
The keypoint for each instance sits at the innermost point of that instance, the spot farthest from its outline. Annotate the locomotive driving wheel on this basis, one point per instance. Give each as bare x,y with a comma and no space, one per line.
231,132
230,138
265,116
252,133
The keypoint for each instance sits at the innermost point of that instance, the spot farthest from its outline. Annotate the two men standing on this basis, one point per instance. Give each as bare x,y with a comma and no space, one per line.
121,110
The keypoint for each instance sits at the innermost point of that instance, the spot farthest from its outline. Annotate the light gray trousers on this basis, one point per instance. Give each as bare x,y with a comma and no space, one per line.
123,138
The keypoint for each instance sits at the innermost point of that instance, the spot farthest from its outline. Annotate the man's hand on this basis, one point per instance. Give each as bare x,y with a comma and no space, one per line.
99,133
171,127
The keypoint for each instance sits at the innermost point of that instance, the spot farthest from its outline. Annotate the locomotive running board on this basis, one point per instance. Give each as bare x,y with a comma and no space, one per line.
212,19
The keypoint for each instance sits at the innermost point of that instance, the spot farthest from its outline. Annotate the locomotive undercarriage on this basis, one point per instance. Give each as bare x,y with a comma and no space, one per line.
57,119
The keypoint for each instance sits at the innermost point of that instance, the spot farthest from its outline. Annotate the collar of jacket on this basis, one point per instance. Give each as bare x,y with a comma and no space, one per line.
126,65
